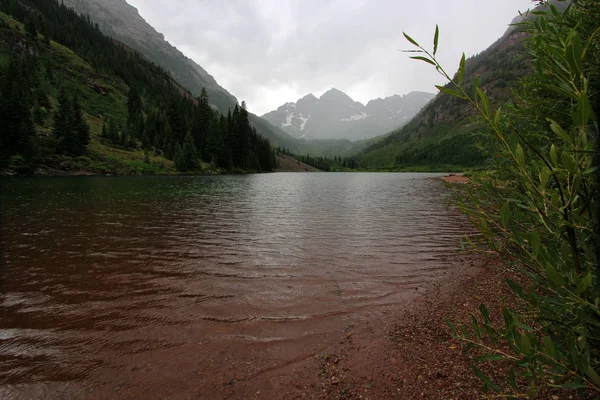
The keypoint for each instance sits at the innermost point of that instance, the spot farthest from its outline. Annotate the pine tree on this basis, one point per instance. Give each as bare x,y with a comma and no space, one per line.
134,103
81,130
62,122
70,128
203,115
17,133
188,158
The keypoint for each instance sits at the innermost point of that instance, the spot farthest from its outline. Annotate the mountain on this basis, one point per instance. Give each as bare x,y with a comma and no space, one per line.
335,115
74,98
443,134
121,21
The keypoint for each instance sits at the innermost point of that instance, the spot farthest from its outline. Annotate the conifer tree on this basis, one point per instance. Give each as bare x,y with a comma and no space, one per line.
81,130
62,121
17,133
70,127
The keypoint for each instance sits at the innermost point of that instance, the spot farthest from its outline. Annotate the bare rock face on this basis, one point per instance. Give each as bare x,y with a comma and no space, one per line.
336,116
122,21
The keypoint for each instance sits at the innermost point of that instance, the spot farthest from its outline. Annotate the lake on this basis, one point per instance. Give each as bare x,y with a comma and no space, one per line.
157,286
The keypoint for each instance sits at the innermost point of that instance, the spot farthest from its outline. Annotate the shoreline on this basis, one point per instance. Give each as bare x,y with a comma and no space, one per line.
409,352
456,178
56,172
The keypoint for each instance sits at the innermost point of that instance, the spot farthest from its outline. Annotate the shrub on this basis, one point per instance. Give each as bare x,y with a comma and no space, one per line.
536,209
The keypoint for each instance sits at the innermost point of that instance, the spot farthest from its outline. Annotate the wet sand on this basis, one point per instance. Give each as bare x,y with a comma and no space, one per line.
456,179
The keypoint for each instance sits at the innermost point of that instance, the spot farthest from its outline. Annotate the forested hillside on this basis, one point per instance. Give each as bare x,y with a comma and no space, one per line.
71,97
443,134
121,21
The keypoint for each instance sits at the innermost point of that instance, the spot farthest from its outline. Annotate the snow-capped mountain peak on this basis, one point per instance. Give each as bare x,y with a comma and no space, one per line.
335,115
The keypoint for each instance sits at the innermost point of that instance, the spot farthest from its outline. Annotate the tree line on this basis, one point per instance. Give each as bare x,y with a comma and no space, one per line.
324,163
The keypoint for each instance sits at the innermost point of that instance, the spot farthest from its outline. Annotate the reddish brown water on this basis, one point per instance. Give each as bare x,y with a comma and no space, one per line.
155,287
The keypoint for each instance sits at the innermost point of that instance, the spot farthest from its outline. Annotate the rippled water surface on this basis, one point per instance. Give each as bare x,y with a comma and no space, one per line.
109,283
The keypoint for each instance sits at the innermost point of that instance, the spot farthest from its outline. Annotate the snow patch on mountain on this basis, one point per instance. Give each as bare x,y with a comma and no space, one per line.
356,117
304,120
288,121
335,115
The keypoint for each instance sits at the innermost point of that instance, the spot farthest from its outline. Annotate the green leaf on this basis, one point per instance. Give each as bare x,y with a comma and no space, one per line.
549,347
525,344
421,58
461,69
505,214
489,357
574,385
545,175
451,92
553,155
535,243
498,115
554,277
593,375
574,54
573,59
555,127
452,327
584,109
487,381
435,39
476,329
485,313
512,379
584,283
569,162
520,155
485,102
515,288
410,39
591,170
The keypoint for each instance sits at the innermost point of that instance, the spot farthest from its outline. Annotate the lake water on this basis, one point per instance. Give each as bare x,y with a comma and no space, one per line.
109,283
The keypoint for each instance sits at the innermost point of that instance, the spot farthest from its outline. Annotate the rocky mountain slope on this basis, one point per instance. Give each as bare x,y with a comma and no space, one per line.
335,115
122,21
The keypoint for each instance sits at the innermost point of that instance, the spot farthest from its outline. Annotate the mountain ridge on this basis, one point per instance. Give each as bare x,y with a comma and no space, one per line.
335,115
443,133
115,17
122,21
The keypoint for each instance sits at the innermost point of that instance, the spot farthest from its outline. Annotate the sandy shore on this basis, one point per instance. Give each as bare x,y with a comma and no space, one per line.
456,179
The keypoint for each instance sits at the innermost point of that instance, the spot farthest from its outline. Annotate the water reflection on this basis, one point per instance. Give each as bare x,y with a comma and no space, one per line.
115,279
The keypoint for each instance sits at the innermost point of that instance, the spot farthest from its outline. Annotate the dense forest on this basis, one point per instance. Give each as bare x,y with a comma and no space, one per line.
324,163
59,73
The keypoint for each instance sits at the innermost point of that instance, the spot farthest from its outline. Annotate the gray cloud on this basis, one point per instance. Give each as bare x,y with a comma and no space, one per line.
268,52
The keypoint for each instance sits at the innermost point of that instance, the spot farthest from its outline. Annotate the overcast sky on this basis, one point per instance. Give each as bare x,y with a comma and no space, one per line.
268,52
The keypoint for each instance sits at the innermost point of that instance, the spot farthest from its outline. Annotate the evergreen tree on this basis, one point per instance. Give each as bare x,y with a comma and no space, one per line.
81,130
134,103
17,133
202,118
187,157
70,128
62,121
30,28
